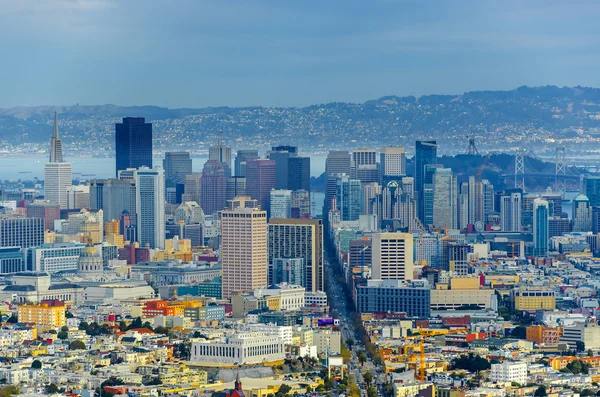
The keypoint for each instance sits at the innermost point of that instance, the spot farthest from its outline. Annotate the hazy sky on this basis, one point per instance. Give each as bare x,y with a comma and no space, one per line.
196,53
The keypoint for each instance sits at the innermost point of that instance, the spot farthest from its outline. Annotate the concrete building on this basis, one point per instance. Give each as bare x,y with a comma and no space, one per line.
192,187
244,252
54,257
462,292
21,232
291,297
176,165
281,204
533,298
44,314
222,154
213,187
57,178
241,348
260,180
582,214
541,228
240,161
508,372
586,332
394,296
392,256
392,164
113,196
78,196
150,206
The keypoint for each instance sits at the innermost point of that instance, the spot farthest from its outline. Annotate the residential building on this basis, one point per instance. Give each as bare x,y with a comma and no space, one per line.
348,198
44,314
509,372
392,256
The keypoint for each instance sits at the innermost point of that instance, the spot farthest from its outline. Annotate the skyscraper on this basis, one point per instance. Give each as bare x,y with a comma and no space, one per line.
337,162
425,153
392,256
150,205
57,173
392,164
281,203
364,165
192,187
213,187
510,211
244,254
299,173
133,143
282,155
46,210
541,213
236,186
56,152
299,238
582,214
113,196
300,204
348,198
444,199
21,232
176,165
260,179
591,188
222,154
240,161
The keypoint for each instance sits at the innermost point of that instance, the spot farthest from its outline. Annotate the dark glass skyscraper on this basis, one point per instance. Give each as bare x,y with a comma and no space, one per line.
260,180
240,161
133,142
177,165
299,173
425,153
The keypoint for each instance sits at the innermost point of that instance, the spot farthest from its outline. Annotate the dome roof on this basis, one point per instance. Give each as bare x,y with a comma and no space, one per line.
90,252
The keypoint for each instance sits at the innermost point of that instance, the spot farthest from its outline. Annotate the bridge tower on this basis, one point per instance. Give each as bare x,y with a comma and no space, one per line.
520,169
560,171
472,149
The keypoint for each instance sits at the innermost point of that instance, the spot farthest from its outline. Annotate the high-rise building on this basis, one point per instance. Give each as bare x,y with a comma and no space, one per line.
364,165
582,214
541,212
78,196
260,180
176,165
348,198
425,153
21,232
282,155
213,187
56,152
281,203
113,196
555,202
300,204
48,211
299,238
510,211
57,178
392,256
150,205
244,253
222,154
591,188
427,196
12,260
133,143
337,163
240,161
192,190
299,173
392,164
457,258
236,186
288,270
444,199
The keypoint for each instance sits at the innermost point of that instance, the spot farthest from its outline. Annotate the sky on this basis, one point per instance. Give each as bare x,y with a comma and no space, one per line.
196,53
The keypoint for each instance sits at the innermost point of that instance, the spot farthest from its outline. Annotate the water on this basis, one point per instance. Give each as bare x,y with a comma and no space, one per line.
32,166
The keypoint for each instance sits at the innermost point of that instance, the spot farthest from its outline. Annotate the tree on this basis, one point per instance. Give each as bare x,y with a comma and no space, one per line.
9,391
471,362
161,330
350,343
284,390
136,323
63,335
541,392
77,345
346,355
362,357
519,332
64,328
122,326
371,391
580,346
68,314
36,364
368,378
52,388
83,326
154,382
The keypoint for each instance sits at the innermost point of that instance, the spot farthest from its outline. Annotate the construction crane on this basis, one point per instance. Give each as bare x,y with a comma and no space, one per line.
480,171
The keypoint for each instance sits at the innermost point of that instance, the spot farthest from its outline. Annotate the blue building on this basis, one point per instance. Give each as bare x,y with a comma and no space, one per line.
394,296
12,260
541,212
133,142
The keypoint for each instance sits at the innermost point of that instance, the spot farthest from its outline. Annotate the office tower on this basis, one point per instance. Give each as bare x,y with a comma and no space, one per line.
582,214
49,212
488,199
56,152
348,198
510,211
299,173
171,195
300,204
392,164
281,155
426,196
150,205
591,188
558,226
288,270
133,143
127,226
176,165
425,153
364,165
244,253
463,205
12,260
236,186
57,178
595,220
457,258
392,256
299,238
444,199
281,203
260,180
540,227
337,163
369,193
213,187
240,161
78,196
192,187
555,202
21,232
222,154
113,196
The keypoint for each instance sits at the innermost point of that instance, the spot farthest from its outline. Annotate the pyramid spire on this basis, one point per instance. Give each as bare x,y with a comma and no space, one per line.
56,155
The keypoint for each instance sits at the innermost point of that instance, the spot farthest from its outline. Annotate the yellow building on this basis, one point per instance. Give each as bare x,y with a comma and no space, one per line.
49,237
111,227
43,315
533,298
116,239
461,291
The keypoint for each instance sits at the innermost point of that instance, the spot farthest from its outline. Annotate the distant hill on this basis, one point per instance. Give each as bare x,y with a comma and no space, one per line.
537,118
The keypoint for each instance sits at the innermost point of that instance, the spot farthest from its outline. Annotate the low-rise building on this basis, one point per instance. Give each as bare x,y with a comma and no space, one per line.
508,372
242,348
